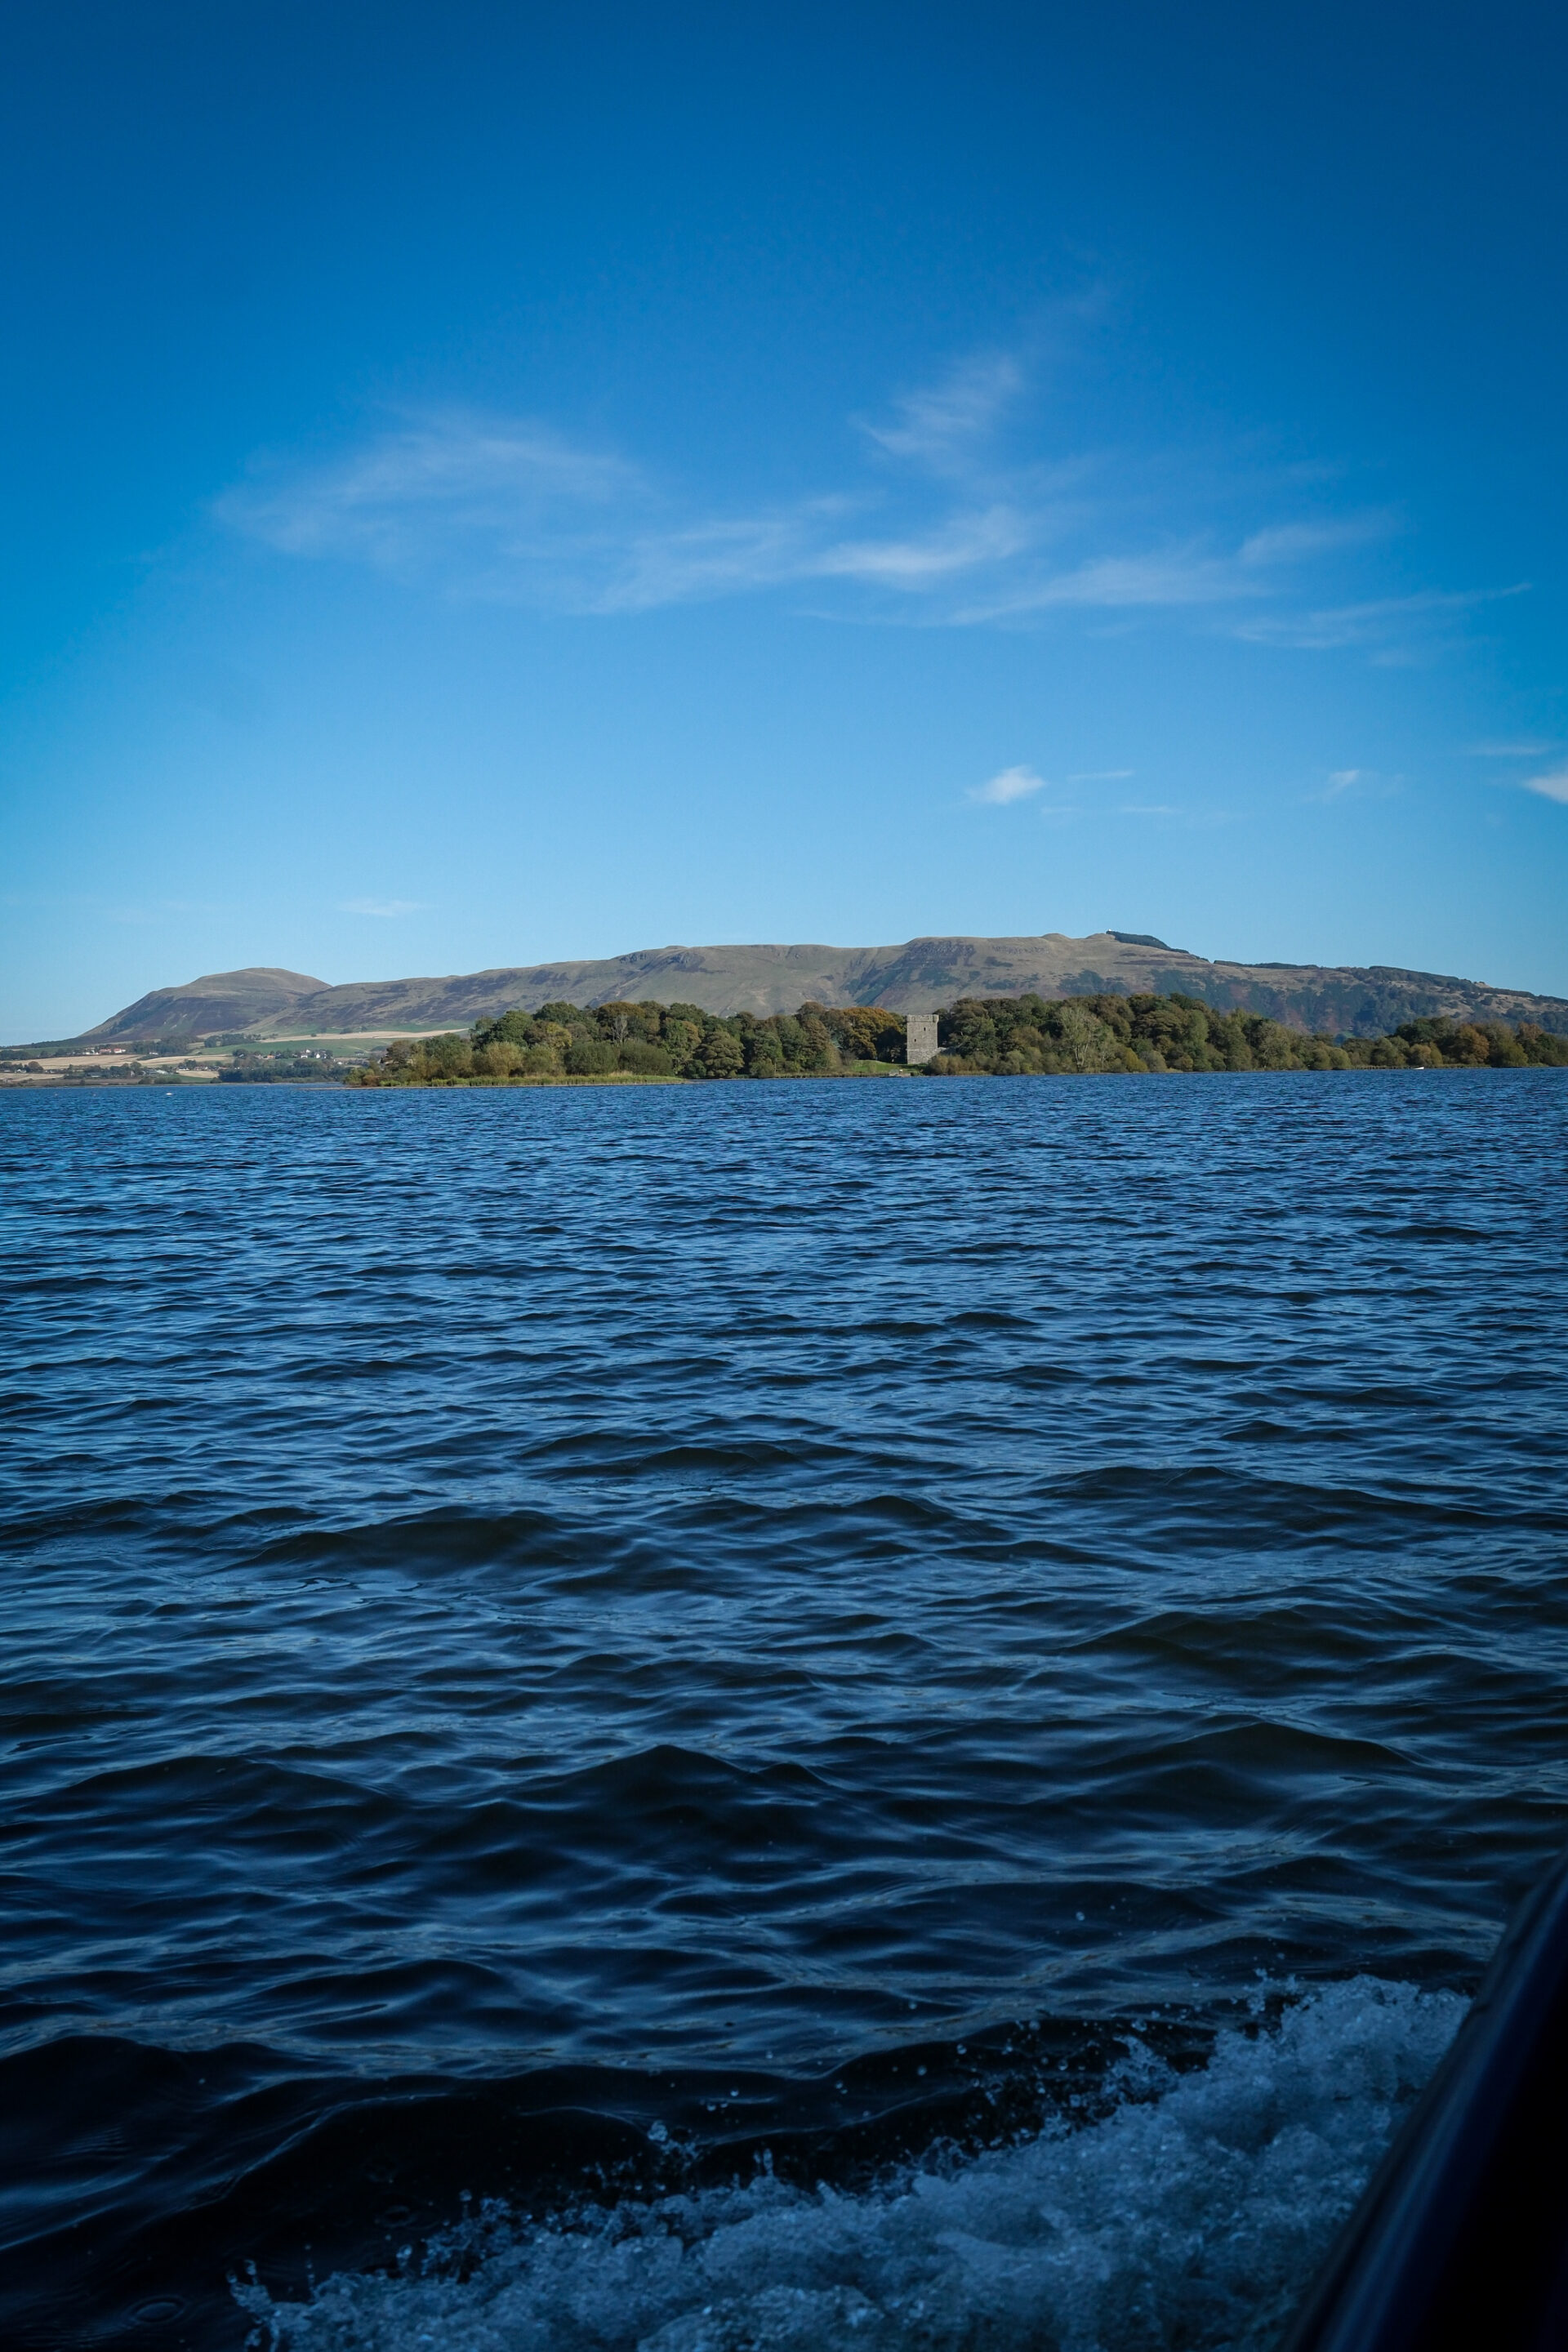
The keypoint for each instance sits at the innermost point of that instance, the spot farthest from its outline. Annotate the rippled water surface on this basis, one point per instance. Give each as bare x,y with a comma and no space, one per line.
1002,1642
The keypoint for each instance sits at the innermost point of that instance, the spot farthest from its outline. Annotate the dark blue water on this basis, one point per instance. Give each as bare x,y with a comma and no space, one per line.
1003,1643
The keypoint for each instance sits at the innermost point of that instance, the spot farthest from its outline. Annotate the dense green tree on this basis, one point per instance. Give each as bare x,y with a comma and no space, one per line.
1108,1032
645,1060
764,1052
681,1039
721,1053
511,1029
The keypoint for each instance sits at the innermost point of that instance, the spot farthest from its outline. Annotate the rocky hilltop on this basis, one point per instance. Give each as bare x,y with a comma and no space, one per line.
916,977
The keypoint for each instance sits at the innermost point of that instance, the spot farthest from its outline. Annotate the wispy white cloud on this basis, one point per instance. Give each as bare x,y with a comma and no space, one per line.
948,525
380,906
1194,572
1552,786
1164,578
1530,748
965,542
804,545
447,477
1291,542
1102,776
1377,621
941,425
1012,784
685,563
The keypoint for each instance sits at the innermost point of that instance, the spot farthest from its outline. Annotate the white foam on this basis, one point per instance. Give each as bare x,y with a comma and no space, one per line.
1191,2216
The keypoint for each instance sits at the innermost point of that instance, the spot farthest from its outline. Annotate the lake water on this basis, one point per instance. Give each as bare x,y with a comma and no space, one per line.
757,1715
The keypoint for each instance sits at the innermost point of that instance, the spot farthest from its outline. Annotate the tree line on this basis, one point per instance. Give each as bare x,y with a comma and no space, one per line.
1006,1036
997,1036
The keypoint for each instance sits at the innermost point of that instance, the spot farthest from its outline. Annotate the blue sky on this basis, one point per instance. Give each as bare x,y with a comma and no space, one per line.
489,483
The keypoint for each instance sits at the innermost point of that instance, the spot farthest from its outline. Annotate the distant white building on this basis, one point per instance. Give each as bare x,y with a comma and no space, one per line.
919,1036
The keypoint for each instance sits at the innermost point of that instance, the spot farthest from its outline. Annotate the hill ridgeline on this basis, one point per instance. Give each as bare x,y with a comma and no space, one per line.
921,976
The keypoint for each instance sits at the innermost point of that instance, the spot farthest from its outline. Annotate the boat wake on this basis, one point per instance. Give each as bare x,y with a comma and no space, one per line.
1191,2215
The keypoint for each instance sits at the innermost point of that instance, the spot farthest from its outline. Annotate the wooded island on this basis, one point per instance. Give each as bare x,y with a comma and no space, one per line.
1000,1036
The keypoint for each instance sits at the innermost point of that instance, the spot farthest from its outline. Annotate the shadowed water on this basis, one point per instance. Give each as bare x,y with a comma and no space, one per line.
553,1640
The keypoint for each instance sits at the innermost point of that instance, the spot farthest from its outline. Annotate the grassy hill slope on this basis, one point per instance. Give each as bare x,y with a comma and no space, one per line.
919,976
221,1002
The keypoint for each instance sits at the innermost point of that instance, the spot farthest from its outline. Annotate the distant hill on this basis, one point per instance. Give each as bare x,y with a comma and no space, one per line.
1364,1001
222,1002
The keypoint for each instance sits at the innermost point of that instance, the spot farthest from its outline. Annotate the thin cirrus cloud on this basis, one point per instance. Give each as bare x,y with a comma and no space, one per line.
940,425
1011,784
1388,629
382,907
1550,784
943,522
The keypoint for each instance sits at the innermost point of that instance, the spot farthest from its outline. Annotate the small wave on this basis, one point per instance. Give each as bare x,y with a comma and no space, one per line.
1192,2215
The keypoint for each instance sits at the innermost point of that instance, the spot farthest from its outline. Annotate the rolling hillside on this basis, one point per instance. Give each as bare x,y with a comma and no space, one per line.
916,976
